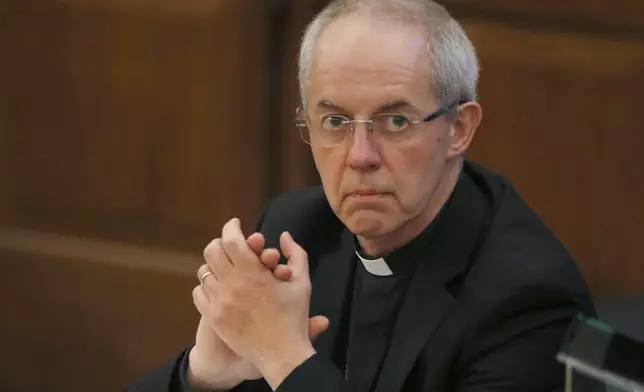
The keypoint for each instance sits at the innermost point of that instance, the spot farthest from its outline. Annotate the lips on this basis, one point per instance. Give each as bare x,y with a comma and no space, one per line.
366,192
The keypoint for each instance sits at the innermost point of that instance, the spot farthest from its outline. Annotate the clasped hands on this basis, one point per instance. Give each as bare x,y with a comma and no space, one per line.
255,312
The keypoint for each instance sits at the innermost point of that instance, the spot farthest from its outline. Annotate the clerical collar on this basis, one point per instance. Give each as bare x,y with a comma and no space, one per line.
401,260
378,267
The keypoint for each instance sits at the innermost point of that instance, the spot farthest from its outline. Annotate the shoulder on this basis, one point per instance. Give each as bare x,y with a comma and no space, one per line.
519,294
305,213
520,263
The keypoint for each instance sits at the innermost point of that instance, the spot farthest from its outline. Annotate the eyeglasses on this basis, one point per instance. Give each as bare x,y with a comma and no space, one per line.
332,129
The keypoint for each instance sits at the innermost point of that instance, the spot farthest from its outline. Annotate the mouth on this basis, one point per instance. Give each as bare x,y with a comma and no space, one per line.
366,193
369,194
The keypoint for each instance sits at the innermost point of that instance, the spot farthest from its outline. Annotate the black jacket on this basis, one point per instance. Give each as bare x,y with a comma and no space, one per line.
486,310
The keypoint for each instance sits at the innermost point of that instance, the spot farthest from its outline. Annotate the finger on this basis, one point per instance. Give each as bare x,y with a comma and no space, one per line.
217,260
283,272
200,299
270,258
256,243
202,273
234,244
297,257
317,325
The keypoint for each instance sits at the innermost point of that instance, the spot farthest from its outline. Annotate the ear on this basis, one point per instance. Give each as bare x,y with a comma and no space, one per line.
464,127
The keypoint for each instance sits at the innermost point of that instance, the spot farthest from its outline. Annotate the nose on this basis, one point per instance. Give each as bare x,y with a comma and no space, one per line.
363,151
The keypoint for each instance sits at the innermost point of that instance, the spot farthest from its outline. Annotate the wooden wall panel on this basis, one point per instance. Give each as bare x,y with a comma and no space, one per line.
297,167
563,120
140,123
603,16
134,124
4,101
79,324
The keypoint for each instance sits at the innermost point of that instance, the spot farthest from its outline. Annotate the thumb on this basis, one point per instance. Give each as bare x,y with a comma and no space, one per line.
317,325
297,257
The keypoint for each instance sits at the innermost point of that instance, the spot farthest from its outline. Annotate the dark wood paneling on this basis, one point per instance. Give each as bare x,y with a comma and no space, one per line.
297,167
140,122
563,120
137,123
72,325
622,16
4,102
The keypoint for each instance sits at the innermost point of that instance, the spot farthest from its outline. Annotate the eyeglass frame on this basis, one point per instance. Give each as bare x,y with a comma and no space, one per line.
302,122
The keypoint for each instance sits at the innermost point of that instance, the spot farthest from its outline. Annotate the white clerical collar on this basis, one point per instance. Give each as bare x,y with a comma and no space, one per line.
376,267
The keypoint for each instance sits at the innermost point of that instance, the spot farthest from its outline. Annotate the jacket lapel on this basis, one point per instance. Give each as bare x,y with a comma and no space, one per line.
428,301
330,296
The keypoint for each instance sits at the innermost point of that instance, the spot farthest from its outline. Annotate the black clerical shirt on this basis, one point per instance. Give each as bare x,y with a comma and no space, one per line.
374,311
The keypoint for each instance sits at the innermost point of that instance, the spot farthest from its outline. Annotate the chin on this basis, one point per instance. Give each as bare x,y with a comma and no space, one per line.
368,223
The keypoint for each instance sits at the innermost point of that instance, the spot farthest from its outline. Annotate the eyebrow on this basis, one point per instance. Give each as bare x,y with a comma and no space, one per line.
395,105
326,104
390,105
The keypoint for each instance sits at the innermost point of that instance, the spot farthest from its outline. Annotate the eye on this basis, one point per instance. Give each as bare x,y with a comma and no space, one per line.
333,123
396,122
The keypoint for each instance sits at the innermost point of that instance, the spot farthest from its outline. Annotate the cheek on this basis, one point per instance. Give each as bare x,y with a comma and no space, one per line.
329,163
415,171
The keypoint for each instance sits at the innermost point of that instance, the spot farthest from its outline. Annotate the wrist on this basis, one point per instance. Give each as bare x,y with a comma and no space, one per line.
203,375
276,368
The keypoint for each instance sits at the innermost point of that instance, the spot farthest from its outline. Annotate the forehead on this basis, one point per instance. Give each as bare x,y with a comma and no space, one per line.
360,60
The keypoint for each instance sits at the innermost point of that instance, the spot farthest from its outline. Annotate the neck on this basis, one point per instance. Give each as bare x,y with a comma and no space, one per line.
377,247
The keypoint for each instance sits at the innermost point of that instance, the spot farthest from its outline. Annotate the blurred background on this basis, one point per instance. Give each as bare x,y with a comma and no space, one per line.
131,130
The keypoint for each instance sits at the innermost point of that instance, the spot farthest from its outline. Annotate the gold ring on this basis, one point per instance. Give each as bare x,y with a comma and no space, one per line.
204,276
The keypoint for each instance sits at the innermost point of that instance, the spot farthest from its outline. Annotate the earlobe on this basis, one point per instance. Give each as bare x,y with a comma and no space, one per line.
464,127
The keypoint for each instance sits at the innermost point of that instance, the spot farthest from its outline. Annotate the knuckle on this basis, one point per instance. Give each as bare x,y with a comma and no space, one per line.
255,285
238,292
211,249
300,253
196,298
305,285
202,270
194,293
229,243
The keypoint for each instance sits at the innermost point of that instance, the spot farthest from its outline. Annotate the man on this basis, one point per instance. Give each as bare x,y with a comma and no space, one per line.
425,272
